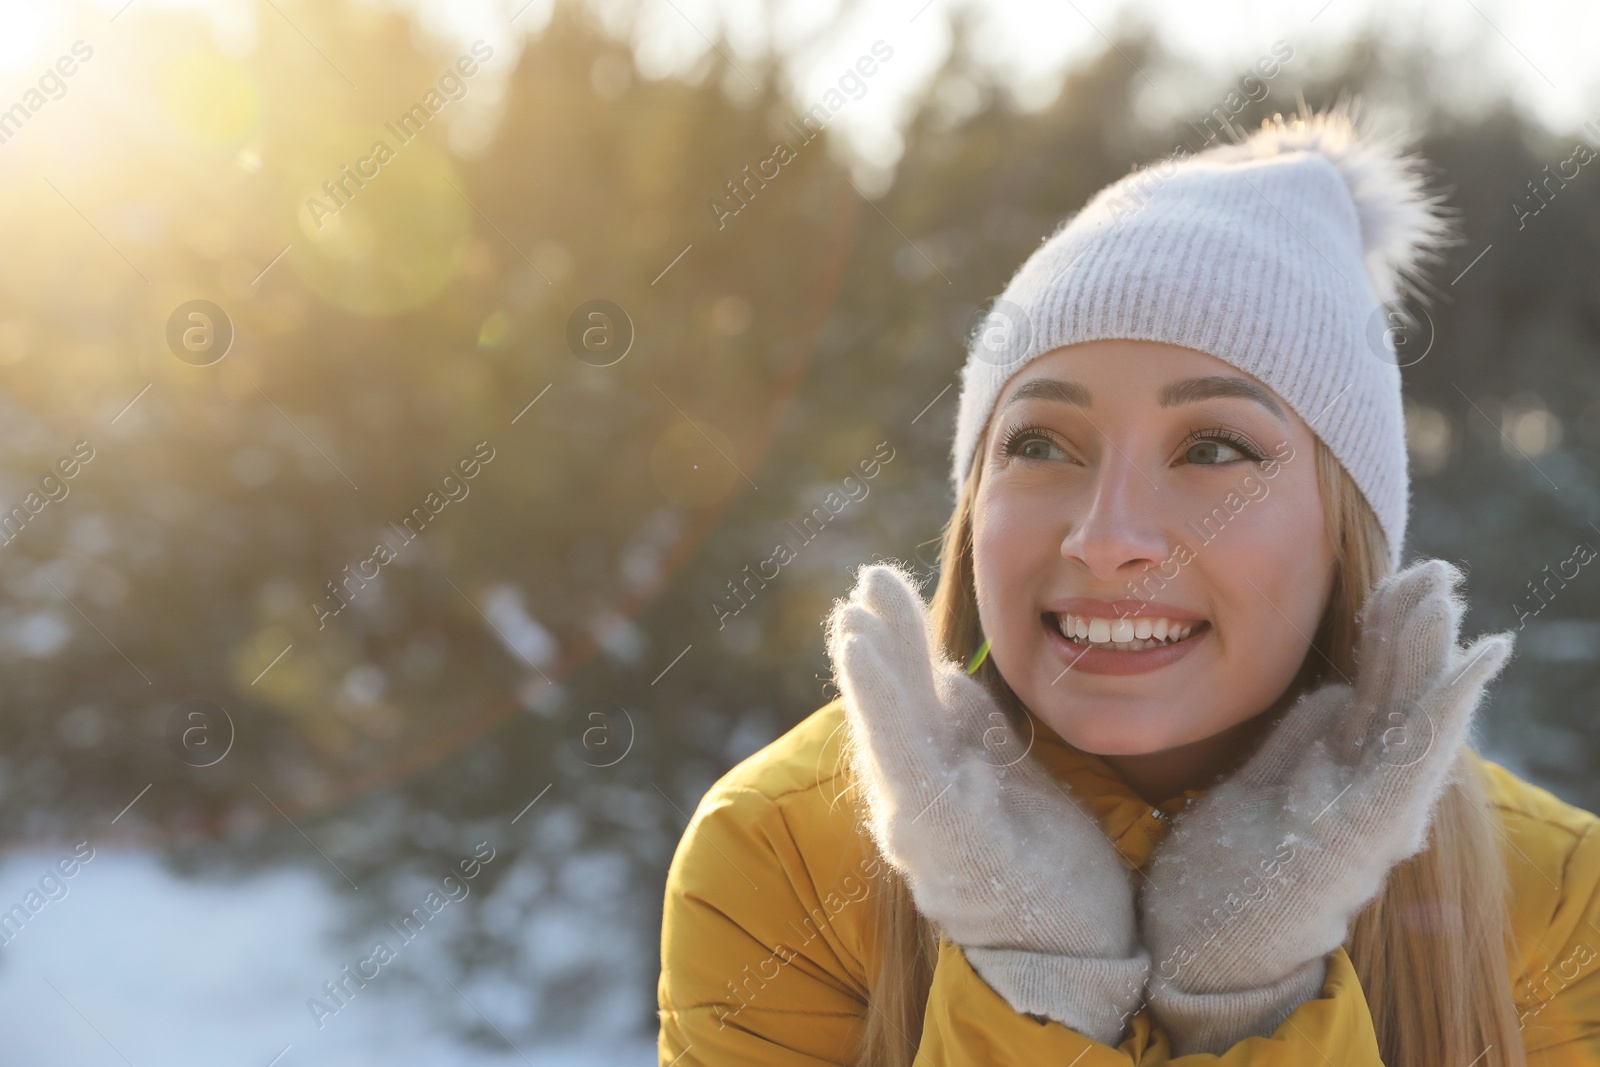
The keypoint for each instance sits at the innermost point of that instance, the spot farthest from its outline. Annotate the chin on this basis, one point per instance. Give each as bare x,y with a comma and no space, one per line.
1120,744
1119,732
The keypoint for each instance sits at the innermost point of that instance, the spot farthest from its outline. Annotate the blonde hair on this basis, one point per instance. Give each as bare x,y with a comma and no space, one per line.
1431,949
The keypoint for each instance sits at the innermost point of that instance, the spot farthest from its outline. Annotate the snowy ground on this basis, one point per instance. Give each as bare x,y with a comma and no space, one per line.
133,966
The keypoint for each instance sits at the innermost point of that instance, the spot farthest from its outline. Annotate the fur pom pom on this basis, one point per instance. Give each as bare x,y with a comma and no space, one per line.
1403,224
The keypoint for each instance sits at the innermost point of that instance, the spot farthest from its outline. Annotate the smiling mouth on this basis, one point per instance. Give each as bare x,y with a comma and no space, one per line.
1137,634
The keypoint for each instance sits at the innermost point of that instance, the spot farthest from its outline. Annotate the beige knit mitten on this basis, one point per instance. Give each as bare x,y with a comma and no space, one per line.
993,850
1261,877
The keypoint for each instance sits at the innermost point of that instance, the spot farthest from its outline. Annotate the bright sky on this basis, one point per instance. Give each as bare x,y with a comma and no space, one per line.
1542,51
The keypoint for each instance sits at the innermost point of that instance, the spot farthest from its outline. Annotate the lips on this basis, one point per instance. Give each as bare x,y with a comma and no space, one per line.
1122,609
1081,656
1123,634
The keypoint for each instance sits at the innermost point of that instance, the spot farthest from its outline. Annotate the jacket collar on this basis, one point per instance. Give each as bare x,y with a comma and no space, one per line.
1132,825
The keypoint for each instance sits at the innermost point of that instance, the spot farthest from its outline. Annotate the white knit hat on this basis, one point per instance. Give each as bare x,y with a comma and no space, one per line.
1284,255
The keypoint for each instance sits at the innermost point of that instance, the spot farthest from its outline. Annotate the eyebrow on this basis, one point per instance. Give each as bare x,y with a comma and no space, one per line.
1186,391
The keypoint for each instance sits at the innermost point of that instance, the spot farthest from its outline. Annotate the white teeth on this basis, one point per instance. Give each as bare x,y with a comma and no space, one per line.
1124,634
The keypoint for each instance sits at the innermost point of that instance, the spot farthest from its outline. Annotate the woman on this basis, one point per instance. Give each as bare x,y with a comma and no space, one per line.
1174,765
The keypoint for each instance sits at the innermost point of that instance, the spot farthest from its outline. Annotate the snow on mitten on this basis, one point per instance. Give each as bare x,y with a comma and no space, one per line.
1260,879
1000,856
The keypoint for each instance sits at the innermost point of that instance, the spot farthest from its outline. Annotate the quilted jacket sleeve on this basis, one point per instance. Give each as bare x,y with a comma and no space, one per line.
767,924
760,964
1558,995
759,937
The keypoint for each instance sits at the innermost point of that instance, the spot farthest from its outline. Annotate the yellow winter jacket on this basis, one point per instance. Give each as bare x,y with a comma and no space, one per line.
766,936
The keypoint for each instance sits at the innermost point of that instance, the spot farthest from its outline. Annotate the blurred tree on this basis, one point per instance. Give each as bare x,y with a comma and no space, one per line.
560,630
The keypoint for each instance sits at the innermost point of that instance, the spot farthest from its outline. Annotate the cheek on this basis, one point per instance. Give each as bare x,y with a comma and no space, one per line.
997,529
1272,579
1011,541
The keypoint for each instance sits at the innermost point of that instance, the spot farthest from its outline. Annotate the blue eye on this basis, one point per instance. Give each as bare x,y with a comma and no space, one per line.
1032,442
1028,442
1224,438
1212,448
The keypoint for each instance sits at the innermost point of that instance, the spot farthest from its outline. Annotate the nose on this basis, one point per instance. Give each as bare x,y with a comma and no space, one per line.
1118,532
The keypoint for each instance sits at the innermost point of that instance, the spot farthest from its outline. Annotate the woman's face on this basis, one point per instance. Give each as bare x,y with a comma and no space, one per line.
1127,482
